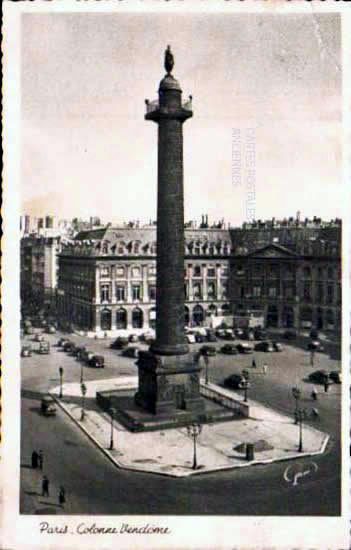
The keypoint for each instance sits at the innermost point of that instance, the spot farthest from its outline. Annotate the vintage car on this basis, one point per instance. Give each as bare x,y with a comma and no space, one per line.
243,347
44,347
26,351
335,376
315,345
229,349
48,407
264,346
131,351
236,382
97,361
319,376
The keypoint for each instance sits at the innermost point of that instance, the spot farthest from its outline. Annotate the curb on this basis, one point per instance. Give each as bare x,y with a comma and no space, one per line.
191,473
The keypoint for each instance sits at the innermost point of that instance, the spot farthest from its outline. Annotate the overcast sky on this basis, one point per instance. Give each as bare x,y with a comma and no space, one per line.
87,149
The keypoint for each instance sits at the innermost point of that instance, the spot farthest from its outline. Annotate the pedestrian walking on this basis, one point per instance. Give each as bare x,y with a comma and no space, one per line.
314,394
62,497
326,386
45,486
265,369
253,364
35,457
41,459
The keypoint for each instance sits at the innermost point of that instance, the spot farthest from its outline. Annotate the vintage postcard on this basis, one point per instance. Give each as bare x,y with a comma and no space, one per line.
176,301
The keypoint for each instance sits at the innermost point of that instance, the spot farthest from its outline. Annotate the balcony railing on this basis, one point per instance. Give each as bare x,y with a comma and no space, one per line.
152,106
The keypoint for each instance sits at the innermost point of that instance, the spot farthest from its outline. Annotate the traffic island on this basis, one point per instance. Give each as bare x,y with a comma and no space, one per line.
270,435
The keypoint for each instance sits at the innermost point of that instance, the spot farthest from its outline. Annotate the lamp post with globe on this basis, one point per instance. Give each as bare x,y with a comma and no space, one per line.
194,431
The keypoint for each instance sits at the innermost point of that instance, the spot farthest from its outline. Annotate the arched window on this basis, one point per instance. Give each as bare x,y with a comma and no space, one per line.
137,318
105,319
121,318
198,316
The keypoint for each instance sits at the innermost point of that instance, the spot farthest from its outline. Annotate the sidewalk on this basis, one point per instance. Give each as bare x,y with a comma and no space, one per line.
170,452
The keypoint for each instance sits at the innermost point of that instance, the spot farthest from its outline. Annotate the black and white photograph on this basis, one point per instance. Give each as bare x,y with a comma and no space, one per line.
176,276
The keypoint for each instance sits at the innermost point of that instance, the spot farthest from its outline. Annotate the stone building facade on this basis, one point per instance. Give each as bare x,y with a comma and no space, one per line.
288,271
107,279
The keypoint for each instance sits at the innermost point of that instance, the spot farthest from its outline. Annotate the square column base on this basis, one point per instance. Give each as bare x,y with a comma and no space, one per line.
168,384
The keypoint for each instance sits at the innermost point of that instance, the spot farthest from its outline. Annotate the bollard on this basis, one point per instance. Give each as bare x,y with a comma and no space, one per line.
250,451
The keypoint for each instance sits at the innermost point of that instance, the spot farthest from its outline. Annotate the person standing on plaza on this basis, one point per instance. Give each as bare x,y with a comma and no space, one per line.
265,369
314,394
41,459
253,364
62,497
35,457
45,486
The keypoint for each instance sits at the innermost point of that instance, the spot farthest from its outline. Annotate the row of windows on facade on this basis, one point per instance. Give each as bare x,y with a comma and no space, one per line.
320,292
273,270
137,292
197,316
136,271
195,248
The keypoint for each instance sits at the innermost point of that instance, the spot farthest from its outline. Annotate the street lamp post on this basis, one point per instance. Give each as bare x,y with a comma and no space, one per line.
299,415
194,431
112,413
61,379
246,376
296,394
207,362
84,391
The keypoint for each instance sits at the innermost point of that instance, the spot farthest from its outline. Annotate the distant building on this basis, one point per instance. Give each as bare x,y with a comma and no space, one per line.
289,271
39,268
107,278
280,273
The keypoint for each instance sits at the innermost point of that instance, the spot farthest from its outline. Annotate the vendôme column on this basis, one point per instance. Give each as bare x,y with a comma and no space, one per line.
169,381
170,116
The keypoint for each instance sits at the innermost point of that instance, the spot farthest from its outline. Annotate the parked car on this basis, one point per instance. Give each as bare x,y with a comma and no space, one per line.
229,349
119,343
236,382
238,332
44,347
243,347
47,406
314,334
26,351
336,376
264,346
133,338
290,334
131,351
260,334
200,338
319,376
220,333
39,337
277,346
86,355
208,350
315,345
228,334
51,329
61,342
211,337
97,361
68,346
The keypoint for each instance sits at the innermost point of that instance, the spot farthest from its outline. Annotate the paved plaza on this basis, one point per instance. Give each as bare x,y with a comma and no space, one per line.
170,452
